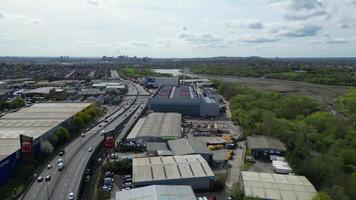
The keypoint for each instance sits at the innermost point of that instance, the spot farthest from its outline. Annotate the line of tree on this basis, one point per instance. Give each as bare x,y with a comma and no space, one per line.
321,146
132,72
316,74
12,104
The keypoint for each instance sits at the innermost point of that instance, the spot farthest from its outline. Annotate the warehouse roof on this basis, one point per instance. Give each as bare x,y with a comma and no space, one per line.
170,167
158,192
158,125
155,146
33,121
186,146
277,186
265,142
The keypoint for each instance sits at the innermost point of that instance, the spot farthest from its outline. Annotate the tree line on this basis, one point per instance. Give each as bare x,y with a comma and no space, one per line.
320,145
326,75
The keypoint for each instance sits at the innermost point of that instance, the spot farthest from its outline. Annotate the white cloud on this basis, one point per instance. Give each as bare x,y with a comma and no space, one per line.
93,2
249,24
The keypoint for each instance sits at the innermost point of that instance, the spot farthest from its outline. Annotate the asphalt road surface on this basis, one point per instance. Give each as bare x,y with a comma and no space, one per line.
77,157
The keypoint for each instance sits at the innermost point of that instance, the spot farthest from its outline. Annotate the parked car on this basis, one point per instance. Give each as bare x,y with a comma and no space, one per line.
109,179
60,166
250,159
127,176
109,174
127,185
60,160
87,179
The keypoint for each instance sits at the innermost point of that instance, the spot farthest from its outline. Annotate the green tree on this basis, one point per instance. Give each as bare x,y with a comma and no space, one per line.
62,135
17,103
321,196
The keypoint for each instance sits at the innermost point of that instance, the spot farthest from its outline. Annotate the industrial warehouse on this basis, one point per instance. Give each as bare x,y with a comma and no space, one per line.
156,127
190,146
184,99
39,121
158,192
276,186
190,170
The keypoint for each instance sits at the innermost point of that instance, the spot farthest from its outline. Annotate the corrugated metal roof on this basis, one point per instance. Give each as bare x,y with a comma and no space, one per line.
186,146
277,186
158,192
33,121
158,125
155,146
171,167
265,142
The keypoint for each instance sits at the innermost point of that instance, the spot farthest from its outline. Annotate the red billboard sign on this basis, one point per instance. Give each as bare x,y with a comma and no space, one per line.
26,144
109,142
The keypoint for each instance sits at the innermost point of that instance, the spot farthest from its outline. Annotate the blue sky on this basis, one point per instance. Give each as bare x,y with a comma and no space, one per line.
178,28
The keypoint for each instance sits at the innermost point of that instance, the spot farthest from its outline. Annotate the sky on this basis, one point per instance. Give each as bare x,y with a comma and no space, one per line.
178,28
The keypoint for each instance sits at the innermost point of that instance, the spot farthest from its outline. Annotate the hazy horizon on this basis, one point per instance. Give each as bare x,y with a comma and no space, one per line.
178,28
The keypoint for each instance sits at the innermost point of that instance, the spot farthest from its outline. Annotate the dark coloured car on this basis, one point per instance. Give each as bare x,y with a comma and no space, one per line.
48,178
61,152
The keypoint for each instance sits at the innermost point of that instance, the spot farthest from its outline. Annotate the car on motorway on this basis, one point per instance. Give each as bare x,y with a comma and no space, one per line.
49,167
48,178
82,135
87,178
106,121
90,149
60,160
71,196
40,179
100,125
60,166
61,152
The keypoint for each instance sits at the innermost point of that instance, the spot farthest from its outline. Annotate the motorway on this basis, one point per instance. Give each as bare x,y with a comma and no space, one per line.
77,155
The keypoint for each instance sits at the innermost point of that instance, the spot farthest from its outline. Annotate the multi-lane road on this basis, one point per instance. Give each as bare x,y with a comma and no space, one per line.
77,154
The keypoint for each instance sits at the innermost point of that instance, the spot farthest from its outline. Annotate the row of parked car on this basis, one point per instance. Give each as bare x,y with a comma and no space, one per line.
108,181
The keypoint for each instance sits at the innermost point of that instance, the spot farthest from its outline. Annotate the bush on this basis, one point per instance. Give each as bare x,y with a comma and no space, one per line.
219,183
47,147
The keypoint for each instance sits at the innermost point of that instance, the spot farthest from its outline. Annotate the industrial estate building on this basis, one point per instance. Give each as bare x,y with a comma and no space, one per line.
190,146
190,170
264,146
276,186
156,127
39,121
183,99
158,192
159,81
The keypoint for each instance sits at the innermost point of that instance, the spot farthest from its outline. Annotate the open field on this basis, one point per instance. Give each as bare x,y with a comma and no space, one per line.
325,94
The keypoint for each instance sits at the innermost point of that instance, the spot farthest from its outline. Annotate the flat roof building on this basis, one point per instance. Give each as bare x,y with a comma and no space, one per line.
38,121
157,127
190,170
158,192
264,146
183,99
190,146
276,186
158,81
